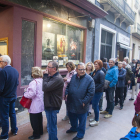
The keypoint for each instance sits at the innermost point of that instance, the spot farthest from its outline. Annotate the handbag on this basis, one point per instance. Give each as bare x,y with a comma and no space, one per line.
106,84
26,102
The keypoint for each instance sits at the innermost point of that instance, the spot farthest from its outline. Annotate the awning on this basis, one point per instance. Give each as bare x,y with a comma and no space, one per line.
84,7
124,46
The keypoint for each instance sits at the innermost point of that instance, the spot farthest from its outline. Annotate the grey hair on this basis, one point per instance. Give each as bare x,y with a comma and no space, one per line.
124,62
113,59
54,64
126,58
6,58
81,63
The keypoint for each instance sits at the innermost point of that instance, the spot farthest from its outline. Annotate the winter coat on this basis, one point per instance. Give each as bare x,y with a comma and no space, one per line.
80,90
137,73
137,104
99,79
68,76
53,91
112,76
129,75
34,92
121,77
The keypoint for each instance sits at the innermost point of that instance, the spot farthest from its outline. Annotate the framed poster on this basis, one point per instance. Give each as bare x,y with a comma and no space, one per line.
4,46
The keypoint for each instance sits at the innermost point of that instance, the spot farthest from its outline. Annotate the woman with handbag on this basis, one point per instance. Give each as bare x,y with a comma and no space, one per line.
99,79
35,93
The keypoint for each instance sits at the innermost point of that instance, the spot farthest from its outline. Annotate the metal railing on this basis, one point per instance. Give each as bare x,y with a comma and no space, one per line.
125,8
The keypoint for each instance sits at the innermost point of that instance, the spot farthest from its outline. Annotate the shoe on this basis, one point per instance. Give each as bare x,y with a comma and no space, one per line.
101,109
32,137
91,120
103,112
116,104
89,114
76,138
14,134
121,108
65,118
3,139
70,131
107,116
94,123
131,99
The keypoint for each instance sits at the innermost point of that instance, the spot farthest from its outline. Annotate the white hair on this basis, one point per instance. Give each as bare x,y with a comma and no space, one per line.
113,59
6,58
126,58
124,62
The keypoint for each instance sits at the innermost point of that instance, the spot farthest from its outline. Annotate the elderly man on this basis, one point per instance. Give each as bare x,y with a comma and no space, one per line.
128,77
8,86
53,90
120,85
79,93
112,76
127,65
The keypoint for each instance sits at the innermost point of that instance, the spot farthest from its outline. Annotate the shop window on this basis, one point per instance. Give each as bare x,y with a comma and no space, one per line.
61,42
4,46
106,45
27,51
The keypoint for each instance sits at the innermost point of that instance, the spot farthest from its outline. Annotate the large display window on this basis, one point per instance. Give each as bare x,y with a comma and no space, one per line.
61,42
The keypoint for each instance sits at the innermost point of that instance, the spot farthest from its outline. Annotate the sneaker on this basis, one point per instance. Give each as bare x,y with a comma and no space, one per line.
89,114
131,99
33,137
116,104
107,116
91,120
121,108
101,109
94,123
103,112
76,138
65,118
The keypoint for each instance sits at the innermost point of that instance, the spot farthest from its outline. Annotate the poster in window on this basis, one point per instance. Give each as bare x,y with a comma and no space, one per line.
61,45
48,42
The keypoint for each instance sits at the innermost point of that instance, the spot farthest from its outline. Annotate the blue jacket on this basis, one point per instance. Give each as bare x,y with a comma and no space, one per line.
121,77
8,82
112,76
80,90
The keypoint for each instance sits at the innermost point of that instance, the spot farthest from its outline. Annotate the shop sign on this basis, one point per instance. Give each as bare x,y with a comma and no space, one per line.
123,39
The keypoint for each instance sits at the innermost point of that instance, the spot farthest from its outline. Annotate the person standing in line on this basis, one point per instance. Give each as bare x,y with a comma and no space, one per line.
89,69
99,79
8,87
34,92
71,71
127,63
120,85
112,77
53,91
128,78
79,93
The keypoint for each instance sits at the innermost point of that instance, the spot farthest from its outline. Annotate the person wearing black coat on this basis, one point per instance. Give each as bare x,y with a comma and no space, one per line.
99,79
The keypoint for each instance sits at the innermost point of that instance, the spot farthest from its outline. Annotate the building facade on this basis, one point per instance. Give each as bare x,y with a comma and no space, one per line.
112,33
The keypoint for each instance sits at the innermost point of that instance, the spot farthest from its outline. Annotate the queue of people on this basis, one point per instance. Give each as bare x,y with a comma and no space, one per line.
82,89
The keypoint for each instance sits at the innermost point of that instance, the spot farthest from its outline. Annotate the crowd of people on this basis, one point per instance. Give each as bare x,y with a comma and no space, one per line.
82,89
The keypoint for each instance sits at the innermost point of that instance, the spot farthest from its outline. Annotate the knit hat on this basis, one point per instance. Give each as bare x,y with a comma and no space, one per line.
37,71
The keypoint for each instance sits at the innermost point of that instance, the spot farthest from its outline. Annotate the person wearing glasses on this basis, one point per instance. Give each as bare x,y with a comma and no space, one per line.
71,71
53,91
79,93
8,87
99,79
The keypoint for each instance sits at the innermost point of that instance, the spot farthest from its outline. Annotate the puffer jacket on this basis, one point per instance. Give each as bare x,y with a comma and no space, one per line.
80,90
99,79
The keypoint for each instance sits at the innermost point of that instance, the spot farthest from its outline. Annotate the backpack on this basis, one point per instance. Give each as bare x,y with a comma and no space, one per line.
132,135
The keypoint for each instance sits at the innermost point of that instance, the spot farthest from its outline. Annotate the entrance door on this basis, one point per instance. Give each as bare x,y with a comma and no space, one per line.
4,46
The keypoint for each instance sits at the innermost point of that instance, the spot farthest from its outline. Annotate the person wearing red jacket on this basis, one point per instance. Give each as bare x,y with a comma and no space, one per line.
137,104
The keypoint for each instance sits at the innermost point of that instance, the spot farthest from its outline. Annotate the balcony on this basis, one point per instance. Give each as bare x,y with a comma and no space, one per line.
136,30
120,9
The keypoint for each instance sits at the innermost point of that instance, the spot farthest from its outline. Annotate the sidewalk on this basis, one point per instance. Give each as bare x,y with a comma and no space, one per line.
108,129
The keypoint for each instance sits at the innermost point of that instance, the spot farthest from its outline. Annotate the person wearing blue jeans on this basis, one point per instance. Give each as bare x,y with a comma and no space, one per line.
99,77
8,86
79,93
53,89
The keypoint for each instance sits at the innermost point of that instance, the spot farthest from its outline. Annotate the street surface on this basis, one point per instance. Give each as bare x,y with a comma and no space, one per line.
108,129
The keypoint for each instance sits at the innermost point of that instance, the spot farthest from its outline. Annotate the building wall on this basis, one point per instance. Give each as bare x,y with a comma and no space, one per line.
6,28
108,21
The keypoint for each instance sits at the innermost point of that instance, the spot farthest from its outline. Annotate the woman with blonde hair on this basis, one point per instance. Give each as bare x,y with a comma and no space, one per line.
34,92
89,69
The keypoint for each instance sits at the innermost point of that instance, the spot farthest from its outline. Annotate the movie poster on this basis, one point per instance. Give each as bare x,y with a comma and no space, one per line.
61,45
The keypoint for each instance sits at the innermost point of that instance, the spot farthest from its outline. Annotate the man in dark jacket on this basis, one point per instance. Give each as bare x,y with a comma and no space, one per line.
120,85
53,89
79,93
8,86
